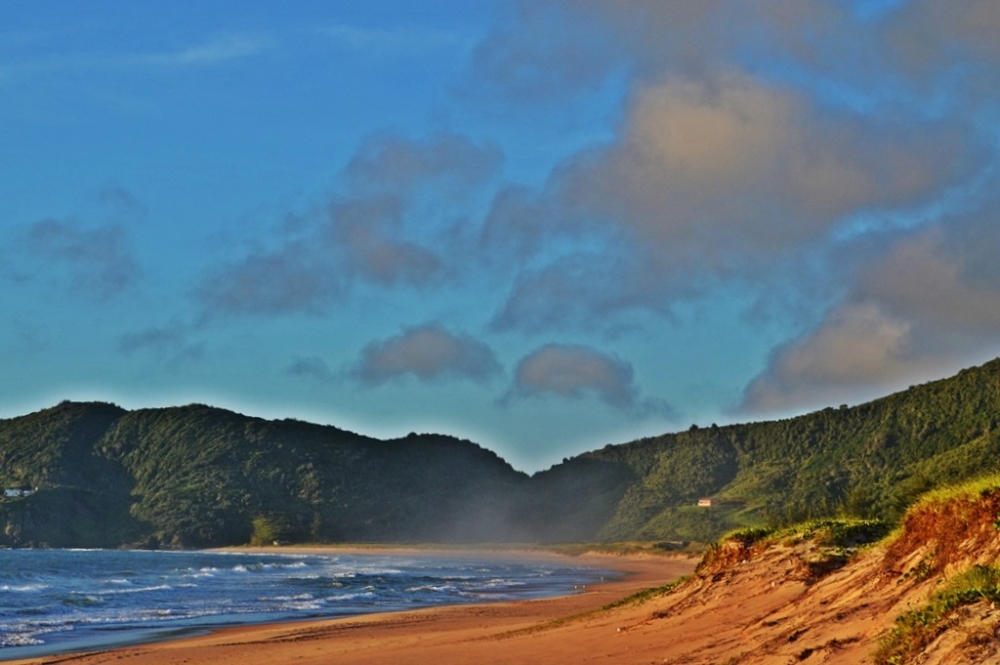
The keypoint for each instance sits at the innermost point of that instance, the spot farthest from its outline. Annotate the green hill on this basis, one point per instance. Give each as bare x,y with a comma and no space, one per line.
197,476
871,460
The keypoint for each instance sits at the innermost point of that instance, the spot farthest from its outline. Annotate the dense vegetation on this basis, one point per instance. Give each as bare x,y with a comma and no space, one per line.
195,476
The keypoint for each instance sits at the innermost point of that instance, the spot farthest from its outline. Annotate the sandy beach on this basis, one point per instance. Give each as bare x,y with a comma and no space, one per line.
569,629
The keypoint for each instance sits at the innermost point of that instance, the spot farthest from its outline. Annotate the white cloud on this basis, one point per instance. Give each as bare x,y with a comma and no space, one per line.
928,304
734,170
212,51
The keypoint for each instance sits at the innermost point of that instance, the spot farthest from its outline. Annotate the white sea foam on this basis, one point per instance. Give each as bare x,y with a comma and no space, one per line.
23,588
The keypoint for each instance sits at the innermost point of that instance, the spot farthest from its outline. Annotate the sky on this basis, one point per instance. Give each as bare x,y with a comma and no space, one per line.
544,226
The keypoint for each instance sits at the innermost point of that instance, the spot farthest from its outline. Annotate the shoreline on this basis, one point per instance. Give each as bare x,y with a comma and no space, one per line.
358,638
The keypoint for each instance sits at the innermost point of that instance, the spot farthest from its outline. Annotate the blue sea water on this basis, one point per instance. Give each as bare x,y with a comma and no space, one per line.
54,601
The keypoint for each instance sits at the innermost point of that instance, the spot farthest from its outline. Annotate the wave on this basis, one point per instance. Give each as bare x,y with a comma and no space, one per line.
24,588
143,589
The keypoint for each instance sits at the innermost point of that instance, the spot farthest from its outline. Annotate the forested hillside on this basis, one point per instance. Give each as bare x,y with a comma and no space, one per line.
871,460
197,476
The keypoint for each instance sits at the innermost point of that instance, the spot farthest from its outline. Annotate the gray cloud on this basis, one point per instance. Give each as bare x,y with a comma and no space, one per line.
537,55
312,367
429,353
292,278
587,291
368,233
705,184
98,259
390,225
549,49
392,162
930,302
927,37
167,342
574,371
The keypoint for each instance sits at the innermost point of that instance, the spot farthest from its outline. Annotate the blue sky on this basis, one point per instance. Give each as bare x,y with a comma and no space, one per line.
544,226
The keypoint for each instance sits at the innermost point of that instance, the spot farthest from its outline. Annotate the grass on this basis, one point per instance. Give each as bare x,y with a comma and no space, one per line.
968,490
845,534
624,547
646,594
832,542
916,629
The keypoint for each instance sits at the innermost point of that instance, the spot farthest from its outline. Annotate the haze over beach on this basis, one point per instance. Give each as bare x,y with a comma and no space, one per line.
543,226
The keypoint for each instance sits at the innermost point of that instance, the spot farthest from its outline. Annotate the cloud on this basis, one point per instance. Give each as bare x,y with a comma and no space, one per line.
539,53
572,371
748,143
589,291
429,353
551,50
927,37
733,170
705,183
291,278
827,162
392,162
212,51
368,232
857,345
390,225
98,259
168,342
930,302
312,367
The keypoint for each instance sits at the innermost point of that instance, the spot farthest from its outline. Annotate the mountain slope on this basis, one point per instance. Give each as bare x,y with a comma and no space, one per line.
871,460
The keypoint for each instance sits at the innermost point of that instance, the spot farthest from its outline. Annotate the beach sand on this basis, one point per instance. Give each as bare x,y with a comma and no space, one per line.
569,629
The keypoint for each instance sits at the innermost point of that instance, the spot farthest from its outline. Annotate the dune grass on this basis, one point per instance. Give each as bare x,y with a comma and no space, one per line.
968,490
916,629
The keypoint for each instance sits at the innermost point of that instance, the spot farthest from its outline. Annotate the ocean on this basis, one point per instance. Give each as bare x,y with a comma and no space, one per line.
55,601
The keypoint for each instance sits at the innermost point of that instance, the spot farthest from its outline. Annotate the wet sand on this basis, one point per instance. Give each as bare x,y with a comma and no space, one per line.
569,629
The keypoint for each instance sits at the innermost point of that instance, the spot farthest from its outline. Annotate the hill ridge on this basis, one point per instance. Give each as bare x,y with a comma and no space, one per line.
197,475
